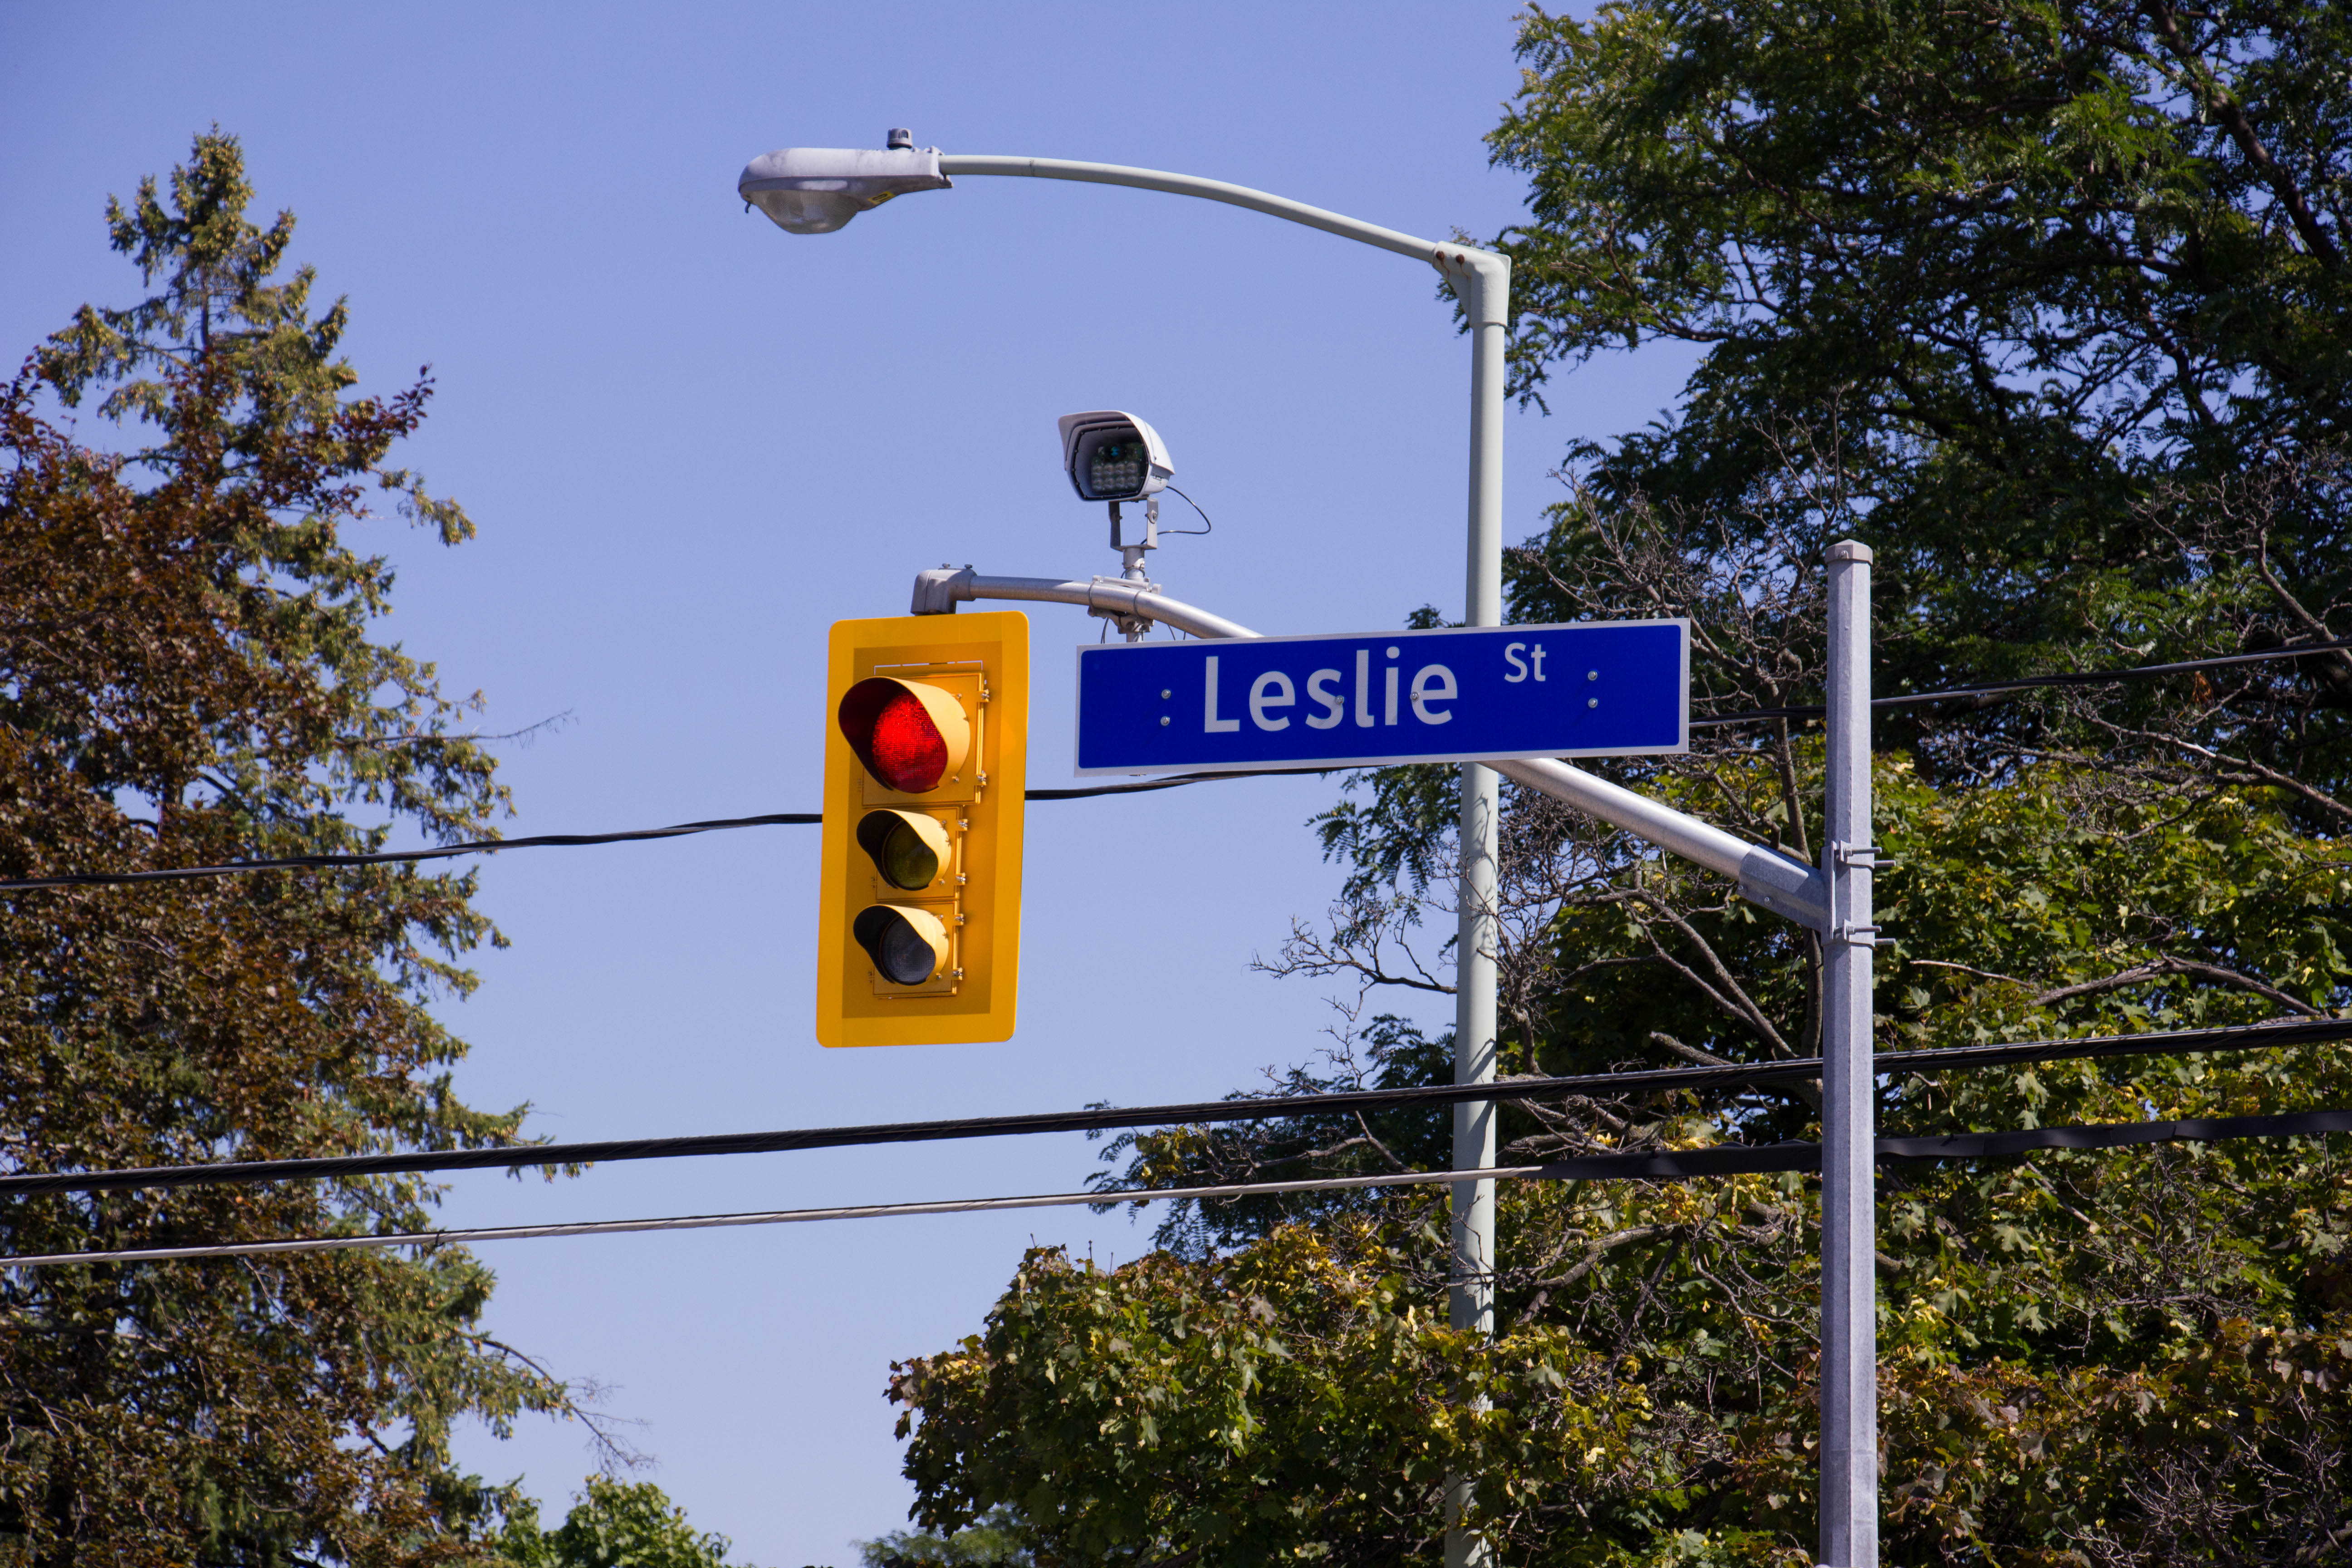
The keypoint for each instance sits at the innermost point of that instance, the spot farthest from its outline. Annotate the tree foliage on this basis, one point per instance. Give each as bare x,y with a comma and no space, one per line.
2053,298
995,1537
187,676
614,1524
2046,303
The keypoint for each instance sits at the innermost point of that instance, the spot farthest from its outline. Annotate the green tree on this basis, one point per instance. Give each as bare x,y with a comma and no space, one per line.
2136,1356
2022,269
2046,303
995,1537
187,676
614,1524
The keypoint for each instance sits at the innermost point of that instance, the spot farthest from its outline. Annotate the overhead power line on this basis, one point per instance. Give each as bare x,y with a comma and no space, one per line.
556,841
2029,682
772,1217
810,818
397,857
1661,1165
2176,1042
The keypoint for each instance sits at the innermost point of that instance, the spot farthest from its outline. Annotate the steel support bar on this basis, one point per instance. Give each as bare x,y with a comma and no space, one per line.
939,593
1766,877
1471,1295
1849,1386
1487,310
1778,882
1482,281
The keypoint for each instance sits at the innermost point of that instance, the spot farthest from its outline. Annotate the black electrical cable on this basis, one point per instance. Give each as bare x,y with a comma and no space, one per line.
1744,1159
562,840
810,818
473,847
1143,785
1101,1118
1660,1165
1192,533
2029,682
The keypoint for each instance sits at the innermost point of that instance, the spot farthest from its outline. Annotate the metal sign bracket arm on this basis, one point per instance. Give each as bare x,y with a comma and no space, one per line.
1766,877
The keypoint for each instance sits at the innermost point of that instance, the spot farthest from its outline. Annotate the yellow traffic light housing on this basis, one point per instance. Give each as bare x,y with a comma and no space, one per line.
918,936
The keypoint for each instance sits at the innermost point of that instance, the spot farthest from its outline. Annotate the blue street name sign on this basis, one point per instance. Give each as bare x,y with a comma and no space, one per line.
1594,688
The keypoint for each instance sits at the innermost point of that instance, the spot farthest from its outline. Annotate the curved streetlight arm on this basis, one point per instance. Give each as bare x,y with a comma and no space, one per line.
1466,262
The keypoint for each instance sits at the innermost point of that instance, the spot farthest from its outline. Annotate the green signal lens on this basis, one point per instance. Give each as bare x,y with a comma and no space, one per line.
908,944
906,958
906,861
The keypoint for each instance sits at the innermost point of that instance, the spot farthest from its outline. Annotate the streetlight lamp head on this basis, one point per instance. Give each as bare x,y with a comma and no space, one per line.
815,190
1111,455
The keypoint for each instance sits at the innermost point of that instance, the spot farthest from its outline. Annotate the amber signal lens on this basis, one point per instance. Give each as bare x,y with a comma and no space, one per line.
907,847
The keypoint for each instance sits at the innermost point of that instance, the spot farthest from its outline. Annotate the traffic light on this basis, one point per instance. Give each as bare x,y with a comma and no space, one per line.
918,930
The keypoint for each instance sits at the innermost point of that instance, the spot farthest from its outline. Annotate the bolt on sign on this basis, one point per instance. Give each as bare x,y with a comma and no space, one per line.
918,930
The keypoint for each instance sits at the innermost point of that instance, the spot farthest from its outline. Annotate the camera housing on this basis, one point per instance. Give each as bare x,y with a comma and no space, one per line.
1112,456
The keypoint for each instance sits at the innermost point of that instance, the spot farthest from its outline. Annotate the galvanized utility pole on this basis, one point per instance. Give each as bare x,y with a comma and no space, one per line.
1471,1304
1473,1294
1849,1378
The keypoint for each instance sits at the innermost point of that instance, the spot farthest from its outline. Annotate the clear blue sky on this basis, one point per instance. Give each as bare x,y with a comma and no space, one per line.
692,441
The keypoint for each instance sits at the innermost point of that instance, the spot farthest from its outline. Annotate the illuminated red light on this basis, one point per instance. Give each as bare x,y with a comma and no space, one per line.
894,736
907,749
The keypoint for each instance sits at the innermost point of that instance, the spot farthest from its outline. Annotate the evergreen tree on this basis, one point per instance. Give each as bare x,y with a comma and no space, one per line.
188,675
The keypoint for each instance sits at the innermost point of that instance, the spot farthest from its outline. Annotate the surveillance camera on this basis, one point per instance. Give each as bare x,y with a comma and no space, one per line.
1112,456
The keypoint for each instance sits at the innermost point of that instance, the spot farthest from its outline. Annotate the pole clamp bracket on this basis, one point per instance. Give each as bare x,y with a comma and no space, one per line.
1862,857
1130,626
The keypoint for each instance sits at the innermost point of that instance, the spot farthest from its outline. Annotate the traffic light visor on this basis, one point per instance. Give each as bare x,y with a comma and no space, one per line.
907,945
910,735
905,847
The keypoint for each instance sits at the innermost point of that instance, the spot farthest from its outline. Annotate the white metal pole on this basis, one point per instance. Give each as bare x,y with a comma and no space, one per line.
1486,305
1849,1376
1473,1294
